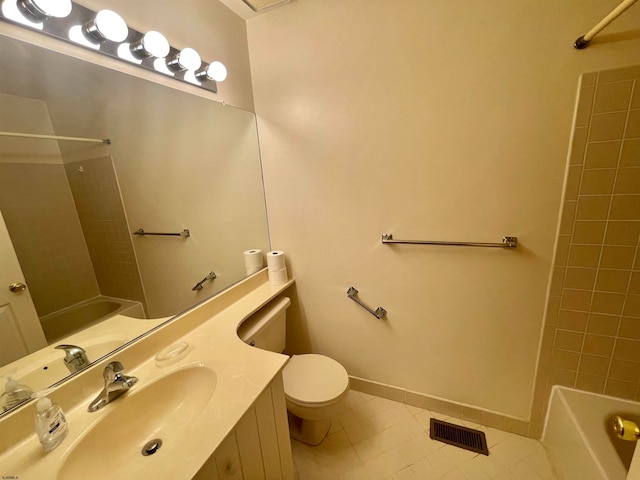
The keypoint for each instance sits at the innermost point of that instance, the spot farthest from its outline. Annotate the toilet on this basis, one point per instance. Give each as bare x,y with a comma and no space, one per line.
314,385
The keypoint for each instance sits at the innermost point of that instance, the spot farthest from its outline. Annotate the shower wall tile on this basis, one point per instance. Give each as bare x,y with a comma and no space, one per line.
601,324
580,278
102,216
573,321
603,154
619,74
568,217
630,154
612,97
589,79
588,232
579,146
590,383
622,233
585,103
595,207
613,280
633,125
625,207
628,181
597,182
593,312
584,255
594,365
607,126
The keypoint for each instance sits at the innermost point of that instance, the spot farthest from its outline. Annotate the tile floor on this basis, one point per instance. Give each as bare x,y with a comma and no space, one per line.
379,439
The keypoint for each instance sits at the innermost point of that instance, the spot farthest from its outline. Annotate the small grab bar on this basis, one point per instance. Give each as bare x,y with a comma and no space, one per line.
184,233
507,242
198,286
378,312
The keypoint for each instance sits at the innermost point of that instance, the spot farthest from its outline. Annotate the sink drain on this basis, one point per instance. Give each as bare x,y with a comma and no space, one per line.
151,447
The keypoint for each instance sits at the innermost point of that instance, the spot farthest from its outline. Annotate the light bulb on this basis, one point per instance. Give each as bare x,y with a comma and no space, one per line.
42,9
152,44
19,14
107,25
215,71
185,59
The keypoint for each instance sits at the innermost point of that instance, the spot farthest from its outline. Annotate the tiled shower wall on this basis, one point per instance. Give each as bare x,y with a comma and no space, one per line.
591,337
102,216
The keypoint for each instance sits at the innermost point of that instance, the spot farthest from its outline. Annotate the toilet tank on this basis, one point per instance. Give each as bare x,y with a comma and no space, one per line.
266,329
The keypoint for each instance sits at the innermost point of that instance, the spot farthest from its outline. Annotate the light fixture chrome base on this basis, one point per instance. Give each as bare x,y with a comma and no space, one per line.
60,27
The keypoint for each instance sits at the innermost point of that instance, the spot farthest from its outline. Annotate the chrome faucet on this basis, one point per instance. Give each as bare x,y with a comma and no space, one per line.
115,384
76,357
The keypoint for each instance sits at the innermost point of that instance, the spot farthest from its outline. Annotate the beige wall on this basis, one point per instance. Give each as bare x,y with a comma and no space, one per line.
442,120
592,328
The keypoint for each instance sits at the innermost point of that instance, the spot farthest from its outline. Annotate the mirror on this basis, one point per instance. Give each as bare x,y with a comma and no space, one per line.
176,161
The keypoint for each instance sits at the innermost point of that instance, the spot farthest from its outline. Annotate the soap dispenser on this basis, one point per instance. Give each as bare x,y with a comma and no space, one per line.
14,392
51,424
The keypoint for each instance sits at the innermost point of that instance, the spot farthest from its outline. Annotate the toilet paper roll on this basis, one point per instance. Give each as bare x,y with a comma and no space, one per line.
278,277
275,260
253,261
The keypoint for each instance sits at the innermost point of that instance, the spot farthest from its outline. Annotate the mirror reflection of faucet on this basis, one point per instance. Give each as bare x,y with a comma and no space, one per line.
76,357
115,384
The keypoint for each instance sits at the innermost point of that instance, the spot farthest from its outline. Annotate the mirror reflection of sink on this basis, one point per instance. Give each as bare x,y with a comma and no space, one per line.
44,368
112,448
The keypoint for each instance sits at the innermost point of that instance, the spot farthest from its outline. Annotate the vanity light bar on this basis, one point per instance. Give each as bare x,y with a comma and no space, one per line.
106,32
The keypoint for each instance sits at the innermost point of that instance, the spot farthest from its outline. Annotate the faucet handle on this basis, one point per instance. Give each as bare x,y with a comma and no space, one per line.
75,358
112,370
72,351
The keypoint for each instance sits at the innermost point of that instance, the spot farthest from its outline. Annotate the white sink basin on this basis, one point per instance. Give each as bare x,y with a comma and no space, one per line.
163,410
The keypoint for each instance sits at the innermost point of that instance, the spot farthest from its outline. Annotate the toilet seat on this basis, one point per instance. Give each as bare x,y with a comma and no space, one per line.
312,380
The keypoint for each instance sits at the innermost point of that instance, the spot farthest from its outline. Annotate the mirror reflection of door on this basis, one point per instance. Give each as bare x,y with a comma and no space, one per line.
20,330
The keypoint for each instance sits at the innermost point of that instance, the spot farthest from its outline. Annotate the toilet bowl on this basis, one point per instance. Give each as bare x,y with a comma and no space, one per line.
314,385
314,388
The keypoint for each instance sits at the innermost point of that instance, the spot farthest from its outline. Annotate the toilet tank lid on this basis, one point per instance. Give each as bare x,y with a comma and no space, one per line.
262,317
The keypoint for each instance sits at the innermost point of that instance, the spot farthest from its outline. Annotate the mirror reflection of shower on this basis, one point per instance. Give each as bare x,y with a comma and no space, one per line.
68,227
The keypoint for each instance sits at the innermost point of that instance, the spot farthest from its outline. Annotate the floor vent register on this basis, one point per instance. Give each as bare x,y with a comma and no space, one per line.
462,437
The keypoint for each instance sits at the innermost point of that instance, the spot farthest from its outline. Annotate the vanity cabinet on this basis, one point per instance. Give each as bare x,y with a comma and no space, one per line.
258,448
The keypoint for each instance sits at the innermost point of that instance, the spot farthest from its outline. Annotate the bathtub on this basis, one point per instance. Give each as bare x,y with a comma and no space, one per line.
579,438
69,320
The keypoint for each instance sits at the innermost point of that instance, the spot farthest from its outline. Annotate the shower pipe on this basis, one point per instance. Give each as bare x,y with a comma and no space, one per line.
55,137
583,41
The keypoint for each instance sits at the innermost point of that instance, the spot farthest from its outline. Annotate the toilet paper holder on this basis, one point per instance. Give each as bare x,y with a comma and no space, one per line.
378,312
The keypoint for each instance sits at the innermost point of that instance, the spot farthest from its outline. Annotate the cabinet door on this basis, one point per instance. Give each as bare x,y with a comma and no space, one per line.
228,459
249,446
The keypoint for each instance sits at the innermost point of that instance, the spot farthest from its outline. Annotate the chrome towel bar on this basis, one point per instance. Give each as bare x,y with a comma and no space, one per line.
378,312
507,242
198,286
184,233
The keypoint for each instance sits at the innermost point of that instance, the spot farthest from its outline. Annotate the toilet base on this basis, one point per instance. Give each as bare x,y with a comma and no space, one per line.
311,432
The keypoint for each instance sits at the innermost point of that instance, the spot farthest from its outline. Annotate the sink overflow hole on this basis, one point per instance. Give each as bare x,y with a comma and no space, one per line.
151,447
